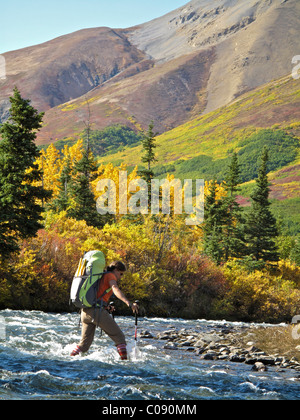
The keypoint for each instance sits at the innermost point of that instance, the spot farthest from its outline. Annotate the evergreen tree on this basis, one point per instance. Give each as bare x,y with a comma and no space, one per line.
149,146
20,201
295,252
212,226
82,197
260,227
233,240
213,245
223,229
62,201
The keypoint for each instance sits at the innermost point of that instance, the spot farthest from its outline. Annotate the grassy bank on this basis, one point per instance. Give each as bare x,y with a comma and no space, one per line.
277,340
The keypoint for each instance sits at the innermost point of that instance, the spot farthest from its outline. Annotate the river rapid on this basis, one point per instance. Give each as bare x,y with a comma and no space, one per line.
35,364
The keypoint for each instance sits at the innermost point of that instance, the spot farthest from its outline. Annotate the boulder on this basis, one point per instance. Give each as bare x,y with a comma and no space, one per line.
259,367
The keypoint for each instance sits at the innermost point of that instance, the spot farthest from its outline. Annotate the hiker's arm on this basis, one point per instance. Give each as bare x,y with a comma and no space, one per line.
117,292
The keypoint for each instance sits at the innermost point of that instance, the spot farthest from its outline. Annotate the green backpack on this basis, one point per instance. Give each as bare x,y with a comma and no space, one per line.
86,280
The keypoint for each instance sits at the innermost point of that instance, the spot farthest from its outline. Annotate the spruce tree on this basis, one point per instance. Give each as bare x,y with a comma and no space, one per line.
82,197
149,146
148,157
223,228
62,201
20,201
260,227
212,226
233,239
295,252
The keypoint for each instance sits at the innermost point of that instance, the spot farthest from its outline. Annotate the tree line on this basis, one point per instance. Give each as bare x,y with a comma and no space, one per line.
228,232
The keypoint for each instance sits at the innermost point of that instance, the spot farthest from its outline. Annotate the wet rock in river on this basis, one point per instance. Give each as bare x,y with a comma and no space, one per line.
146,334
171,346
259,367
222,346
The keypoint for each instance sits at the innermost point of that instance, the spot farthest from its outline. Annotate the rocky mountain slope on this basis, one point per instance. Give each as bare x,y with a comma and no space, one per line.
172,69
254,41
69,66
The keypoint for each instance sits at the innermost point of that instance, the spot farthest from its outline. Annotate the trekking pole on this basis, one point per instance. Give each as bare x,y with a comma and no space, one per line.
136,323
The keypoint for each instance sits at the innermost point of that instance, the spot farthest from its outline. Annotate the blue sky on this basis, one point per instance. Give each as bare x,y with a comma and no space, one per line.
28,22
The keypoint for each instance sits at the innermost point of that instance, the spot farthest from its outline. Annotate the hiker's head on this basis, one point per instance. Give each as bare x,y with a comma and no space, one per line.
118,268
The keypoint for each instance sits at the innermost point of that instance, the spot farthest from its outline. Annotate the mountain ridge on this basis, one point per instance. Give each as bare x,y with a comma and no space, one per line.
188,62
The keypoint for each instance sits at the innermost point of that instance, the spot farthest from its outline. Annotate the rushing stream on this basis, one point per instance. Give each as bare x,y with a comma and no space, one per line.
35,364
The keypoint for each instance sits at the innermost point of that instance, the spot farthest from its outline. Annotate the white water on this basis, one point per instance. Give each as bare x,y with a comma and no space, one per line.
35,363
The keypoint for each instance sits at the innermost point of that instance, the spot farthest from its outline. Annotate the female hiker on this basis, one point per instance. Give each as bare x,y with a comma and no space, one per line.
93,317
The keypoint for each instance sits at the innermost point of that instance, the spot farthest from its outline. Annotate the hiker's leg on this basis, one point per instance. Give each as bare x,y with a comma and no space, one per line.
122,350
110,327
87,332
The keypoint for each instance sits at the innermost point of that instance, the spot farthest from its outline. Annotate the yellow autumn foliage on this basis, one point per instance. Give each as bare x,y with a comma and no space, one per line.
111,172
260,295
51,162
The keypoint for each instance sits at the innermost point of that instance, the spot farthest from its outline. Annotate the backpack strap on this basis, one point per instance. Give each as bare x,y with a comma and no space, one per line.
99,304
100,299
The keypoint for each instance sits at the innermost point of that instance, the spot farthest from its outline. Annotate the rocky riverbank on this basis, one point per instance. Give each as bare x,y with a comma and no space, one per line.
227,343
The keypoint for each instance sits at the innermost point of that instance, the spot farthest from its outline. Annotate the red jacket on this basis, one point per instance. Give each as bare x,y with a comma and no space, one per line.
105,286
